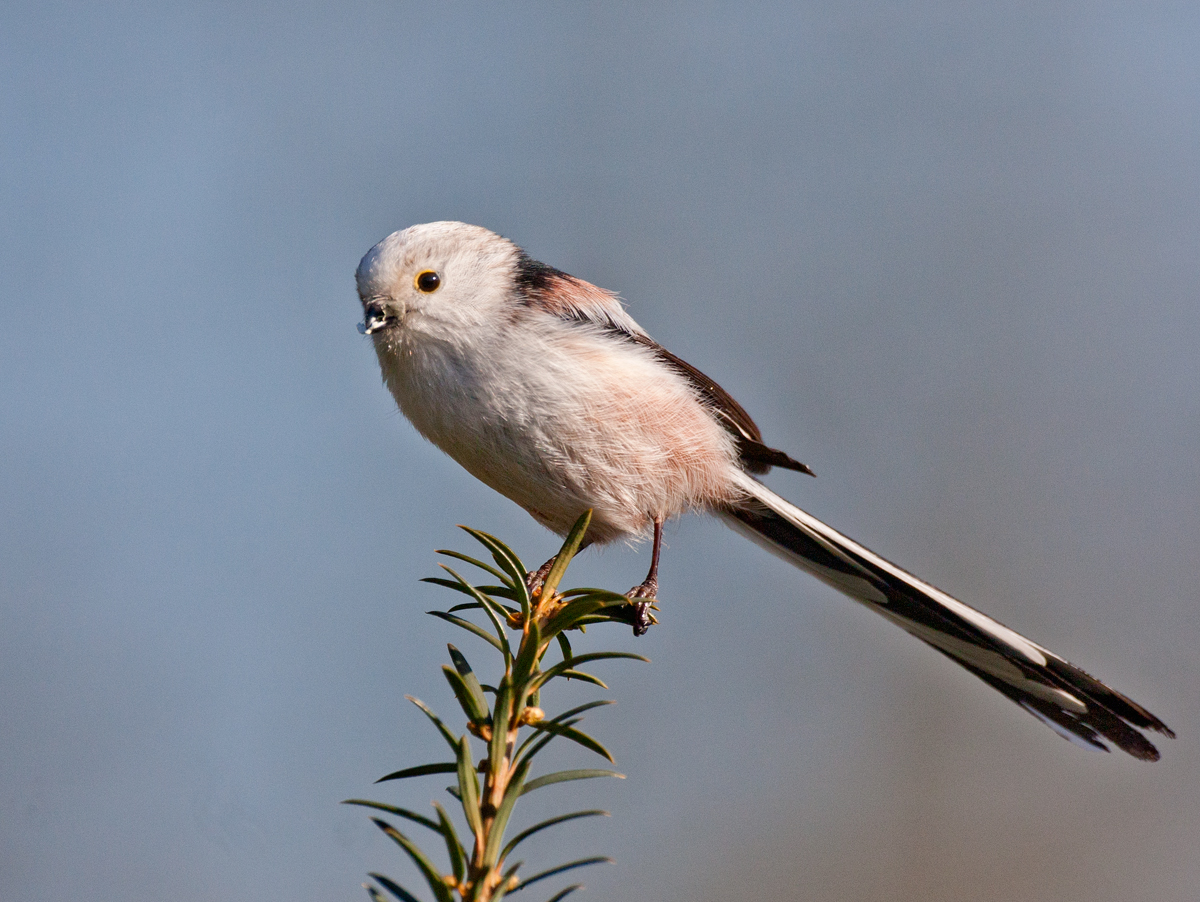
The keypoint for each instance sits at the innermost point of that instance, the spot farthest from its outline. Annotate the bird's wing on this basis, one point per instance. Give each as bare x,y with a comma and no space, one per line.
567,297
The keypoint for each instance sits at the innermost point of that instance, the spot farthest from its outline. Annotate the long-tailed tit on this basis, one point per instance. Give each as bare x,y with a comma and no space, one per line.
544,388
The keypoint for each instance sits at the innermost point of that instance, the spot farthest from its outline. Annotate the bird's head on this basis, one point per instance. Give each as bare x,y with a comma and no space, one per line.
439,279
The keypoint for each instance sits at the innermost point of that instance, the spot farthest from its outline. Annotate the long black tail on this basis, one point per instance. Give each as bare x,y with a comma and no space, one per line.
1076,706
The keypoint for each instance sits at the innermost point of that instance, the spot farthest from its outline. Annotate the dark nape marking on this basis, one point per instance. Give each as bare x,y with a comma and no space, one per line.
534,277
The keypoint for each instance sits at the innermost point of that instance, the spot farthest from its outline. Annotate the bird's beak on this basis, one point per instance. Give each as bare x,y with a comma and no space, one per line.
375,317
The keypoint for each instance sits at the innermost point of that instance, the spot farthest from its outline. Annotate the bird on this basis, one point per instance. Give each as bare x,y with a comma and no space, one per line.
543,387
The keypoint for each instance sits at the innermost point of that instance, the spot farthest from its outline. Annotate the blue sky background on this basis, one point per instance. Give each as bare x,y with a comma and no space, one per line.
950,257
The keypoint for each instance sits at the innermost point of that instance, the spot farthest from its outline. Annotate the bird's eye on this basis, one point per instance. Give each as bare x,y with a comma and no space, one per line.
428,281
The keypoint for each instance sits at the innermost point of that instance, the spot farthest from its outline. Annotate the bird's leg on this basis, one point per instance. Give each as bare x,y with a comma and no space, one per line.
648,589
649,586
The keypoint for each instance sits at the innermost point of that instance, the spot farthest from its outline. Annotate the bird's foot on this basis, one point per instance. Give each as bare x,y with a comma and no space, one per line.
642,597
647,589
534,579
642,618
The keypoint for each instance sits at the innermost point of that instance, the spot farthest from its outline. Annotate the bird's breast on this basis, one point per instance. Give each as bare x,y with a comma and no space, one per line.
563,420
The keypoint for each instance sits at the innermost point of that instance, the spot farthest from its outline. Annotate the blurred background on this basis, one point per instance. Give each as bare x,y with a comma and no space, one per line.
948,257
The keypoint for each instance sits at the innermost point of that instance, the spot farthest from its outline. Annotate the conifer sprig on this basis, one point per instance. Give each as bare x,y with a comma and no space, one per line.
513,728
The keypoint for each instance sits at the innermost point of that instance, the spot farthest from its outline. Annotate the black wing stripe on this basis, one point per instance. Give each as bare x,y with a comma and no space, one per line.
733,415
758,458
754,456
